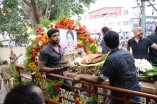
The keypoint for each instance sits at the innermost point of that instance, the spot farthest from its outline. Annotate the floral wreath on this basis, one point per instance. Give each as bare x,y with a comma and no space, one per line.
84,40
35,46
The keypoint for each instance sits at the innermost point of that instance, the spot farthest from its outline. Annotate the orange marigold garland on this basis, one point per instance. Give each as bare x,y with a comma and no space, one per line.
84,41
84,38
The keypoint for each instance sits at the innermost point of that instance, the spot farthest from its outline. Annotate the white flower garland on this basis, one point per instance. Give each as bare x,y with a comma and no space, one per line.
143,65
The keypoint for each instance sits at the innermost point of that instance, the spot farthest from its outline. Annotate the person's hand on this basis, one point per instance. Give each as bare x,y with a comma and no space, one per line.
77,78
61,68
65,66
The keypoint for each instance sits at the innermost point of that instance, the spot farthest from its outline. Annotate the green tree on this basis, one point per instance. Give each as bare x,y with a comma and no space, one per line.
51,9
11,18
14,14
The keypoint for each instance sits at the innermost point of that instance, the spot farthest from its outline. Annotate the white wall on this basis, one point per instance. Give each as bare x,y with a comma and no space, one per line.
5,51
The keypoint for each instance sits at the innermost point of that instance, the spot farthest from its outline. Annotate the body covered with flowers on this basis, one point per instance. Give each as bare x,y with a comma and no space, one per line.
35,46
84,41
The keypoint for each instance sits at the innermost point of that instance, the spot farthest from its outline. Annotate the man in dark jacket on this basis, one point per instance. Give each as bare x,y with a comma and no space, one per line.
153,52
102,44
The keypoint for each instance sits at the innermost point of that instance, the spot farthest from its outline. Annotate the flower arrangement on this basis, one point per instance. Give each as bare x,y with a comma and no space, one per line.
148,71
53,89
143,65
84,40
35,46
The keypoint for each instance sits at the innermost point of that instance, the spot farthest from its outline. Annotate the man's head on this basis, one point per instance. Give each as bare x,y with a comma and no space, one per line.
24,94
53,35
70,37
137,31
111,39
104,30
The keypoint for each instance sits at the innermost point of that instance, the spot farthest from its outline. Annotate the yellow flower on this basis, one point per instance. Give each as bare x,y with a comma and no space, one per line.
44,34
79,42
56,98
32,66
92,44
38,74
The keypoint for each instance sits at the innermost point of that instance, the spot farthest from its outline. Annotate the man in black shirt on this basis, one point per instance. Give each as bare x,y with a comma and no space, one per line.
102,44
153,52
119,67
51,57
140,45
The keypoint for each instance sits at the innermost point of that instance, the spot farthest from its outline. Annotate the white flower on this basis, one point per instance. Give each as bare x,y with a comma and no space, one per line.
40,43
78,59
45,29
143,65
30,43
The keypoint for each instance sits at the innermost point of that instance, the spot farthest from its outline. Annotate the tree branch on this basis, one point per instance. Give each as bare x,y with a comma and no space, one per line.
27,2
35,11
49,14
24,7
48,7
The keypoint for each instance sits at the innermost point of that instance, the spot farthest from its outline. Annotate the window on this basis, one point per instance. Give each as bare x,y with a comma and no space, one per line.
118,23
127,22
113,24
125,12
109,24
96,16
104,14
112,14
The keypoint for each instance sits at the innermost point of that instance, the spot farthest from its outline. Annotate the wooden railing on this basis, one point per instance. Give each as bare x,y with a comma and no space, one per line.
94,90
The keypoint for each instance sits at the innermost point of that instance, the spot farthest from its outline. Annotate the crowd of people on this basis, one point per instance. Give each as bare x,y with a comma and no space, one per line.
119,66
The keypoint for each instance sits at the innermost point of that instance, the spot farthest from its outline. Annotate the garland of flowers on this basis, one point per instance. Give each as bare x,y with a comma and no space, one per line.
147,71
53,89
35,46
84,40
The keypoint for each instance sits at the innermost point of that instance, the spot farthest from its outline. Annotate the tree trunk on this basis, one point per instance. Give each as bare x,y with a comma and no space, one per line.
35,12
32,11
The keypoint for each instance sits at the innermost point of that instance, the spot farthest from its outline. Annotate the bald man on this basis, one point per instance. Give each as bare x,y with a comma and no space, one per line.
140,45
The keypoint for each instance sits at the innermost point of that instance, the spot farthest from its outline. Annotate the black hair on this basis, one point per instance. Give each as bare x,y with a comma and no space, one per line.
51,31
105,29
22,94
156,29
111,39
71,33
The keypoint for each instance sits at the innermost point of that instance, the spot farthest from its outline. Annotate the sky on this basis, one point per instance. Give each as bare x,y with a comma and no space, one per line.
112,3
116,3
